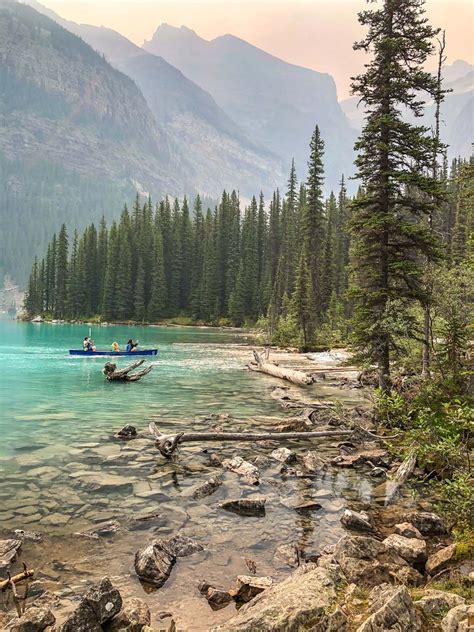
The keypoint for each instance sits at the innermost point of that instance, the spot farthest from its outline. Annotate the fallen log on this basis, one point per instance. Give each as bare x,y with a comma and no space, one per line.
16,579
112,373
263,365
167,444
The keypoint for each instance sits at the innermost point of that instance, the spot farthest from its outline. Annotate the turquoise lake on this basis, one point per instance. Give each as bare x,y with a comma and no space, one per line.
62,472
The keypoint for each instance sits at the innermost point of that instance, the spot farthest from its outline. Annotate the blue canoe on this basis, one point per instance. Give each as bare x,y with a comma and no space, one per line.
92,354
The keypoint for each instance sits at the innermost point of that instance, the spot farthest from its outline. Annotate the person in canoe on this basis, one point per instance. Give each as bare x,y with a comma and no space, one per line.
131,346
87,344
115,347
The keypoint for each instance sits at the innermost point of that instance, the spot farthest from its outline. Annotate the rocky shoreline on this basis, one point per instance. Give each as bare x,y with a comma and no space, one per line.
395,568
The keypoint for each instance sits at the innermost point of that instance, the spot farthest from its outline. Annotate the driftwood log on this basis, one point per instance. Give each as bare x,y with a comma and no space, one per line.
262,364
112,373
167,444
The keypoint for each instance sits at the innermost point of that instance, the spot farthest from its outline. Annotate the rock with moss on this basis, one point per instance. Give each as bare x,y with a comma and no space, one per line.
457,619
436,602
391,608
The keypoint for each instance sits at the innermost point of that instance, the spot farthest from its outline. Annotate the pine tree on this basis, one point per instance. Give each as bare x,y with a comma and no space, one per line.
158,302
393,163
329,263
32,298
72,305
61,274
186,247
313,229
301,306
109,298
123,286
102,243
197,258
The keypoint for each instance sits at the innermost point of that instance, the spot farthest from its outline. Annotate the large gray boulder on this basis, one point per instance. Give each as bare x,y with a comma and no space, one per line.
393,610
304,601
33,620
412,550
441,559
98,606
365,561
133,617
153,564
426,522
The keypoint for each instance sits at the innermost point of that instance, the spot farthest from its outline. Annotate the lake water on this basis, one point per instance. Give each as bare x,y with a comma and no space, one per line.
62,472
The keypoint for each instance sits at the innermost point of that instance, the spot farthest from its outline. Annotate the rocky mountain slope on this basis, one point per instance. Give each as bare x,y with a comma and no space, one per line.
276,103
76,136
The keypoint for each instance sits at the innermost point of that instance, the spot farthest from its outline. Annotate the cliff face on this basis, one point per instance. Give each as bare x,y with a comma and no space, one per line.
276,103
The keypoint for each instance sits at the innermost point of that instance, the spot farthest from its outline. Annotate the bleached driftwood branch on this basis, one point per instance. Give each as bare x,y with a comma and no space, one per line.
262,364
167,444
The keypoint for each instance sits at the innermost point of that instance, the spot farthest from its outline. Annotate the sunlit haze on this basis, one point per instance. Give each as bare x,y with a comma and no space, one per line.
317,34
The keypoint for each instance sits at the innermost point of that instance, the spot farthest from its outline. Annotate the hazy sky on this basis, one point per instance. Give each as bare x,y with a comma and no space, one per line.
313,33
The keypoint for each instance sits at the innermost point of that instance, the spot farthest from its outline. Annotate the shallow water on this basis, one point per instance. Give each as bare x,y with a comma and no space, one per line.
61,471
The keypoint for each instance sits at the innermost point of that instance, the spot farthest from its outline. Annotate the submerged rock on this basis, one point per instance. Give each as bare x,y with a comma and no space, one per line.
182,546
283,455
98,606
359,521
246,470
101,482
133,617
33,620
207,488
251,506
302,602
312,462
301,504
288,554
439,560
394,610
8,551
153,564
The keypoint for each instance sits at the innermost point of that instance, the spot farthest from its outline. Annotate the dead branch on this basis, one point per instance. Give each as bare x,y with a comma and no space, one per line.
26,574
111,373
167,444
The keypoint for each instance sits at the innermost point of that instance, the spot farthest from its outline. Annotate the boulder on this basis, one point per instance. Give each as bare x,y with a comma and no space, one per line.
301,602
359,521
133,617
435,602
365,561
153,564
393,610
246,470
127,432
33,620
8,551
217,598
412,550
457,619
248,587
439,560
98,606
207,488
426,522
251,506
407,530
283,455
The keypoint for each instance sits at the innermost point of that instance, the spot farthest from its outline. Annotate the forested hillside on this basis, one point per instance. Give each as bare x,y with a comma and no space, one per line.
76,136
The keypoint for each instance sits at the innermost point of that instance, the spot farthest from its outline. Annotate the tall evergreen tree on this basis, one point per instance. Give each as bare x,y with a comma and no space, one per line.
61,274
393,164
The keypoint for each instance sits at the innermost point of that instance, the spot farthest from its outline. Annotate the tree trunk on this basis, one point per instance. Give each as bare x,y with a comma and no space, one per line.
262,365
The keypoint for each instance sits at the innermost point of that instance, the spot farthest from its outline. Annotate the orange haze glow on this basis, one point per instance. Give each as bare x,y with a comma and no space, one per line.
314,33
